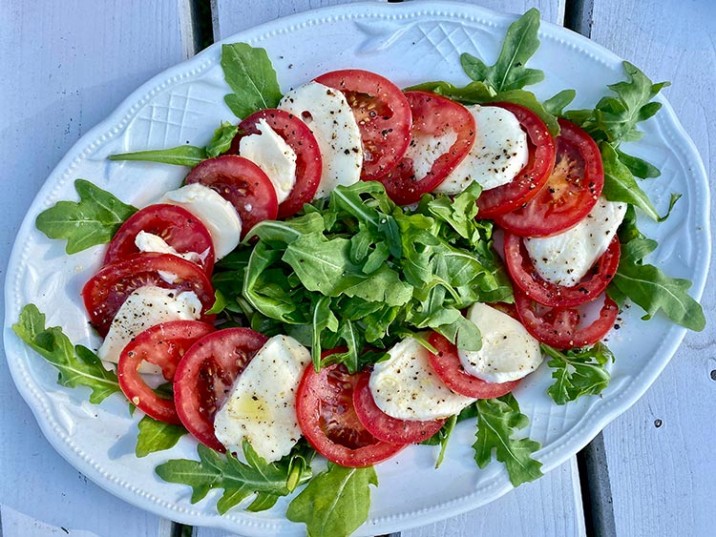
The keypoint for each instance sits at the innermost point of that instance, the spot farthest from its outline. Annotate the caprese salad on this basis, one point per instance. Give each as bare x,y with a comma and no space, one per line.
354,268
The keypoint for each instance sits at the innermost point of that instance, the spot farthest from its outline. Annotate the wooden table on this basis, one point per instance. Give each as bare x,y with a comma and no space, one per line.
66,65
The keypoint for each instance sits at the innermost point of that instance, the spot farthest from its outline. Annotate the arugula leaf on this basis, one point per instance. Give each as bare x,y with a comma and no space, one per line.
183,155
497,421
250,75
620,185
509,71
638,167
647,286
77,365
239,480
221,141
155,435
578,372
91,221
556,104
614,119
335,502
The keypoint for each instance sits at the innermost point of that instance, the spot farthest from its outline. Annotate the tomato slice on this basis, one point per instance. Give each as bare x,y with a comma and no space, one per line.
206,374
433,115
162,345
328,420
570,192
241,182
107,290
302,141
383,115
446,364
532,177
178,227
526,277
384,427
561,328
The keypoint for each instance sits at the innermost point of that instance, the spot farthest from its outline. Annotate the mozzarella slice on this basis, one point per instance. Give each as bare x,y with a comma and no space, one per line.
508,351
405,386
499,153
261,406
217,214
145,307
273,155
424,150
564,259
149,242
328,115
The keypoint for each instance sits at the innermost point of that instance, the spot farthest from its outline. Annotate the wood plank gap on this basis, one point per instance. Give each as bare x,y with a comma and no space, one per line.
578,16
596,489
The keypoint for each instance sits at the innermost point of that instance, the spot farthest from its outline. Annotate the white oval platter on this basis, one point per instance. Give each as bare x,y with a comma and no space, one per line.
409,43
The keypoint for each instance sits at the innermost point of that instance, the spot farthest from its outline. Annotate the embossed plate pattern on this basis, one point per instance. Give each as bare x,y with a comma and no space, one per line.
409,43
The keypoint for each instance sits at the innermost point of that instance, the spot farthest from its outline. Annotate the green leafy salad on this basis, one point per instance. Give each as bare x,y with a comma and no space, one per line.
350,278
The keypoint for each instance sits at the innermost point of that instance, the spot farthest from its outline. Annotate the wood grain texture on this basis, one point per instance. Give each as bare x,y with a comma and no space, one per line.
550,507
231,16
661,452
64,66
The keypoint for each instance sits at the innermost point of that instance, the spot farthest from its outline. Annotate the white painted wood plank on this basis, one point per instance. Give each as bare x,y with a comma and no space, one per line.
660,453
550,507
65,66
231,16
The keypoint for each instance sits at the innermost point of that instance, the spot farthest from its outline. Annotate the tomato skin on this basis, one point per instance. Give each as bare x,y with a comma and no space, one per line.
206,374
107,290
433,115
162,345
242,183
447,366
532,177
301,140
526,277
178,227
325,413
570,193
559,327
384,427
383,115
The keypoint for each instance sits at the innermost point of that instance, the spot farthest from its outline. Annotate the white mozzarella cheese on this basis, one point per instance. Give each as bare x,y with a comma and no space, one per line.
145,307
424,150
328,115
405,386
565,258
508,351
499,153
217,214
261,406
273,155
149,242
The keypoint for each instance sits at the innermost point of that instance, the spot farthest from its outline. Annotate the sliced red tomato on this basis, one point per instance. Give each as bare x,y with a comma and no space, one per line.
384,427
532,177
383,115
446,364
328,420
162,345
107,290
434,116
570,193
562,328
526,277
205,376
241,182
301,140
178,227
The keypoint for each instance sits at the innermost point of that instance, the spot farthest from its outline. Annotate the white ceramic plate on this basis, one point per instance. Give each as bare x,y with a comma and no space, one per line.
409,43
